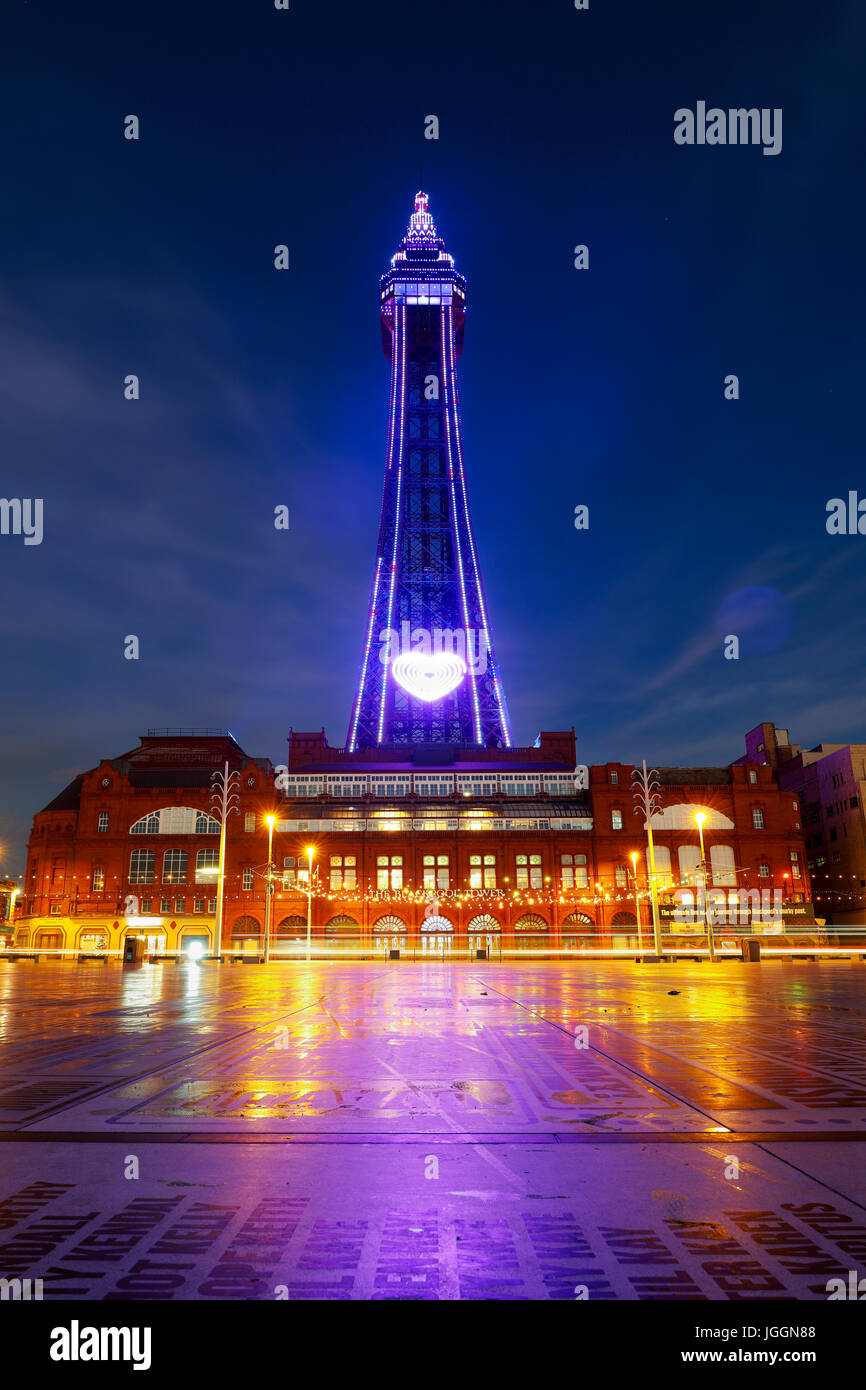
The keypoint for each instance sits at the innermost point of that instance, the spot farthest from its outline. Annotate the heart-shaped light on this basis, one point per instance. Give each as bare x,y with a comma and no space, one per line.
431,676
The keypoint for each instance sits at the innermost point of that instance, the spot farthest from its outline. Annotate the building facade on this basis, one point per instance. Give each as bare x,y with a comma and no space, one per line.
442,848
829,782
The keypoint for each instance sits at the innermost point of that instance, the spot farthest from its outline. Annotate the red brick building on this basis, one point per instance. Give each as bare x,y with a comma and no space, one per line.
437,847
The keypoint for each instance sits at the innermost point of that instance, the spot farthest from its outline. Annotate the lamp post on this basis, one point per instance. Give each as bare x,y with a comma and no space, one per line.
270,888
309,899
700,817
225,802
633,858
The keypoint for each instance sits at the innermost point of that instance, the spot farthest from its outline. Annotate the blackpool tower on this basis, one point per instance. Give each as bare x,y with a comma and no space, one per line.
429,672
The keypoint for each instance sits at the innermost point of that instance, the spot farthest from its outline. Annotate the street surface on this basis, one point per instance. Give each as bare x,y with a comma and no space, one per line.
359,1130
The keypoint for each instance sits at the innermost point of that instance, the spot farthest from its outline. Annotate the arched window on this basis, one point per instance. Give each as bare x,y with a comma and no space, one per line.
246,926
663,865
690,858
388,924
530,921
174,866
437,924
290,925
207,864
176,820
624,919
578,919
484,923
342,923
682,817
723,866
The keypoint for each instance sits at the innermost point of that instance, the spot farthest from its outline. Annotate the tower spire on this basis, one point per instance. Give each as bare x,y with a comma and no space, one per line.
429,673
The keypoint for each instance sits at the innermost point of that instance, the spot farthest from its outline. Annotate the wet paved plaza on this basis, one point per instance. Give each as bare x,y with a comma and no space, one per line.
432,1131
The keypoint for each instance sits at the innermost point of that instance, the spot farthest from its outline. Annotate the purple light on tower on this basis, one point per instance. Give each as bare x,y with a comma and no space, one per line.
427,583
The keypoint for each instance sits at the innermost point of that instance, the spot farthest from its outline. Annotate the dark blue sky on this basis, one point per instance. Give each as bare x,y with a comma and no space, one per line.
260,388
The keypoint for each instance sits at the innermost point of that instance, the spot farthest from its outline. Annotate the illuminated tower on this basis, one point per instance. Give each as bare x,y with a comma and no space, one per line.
429,673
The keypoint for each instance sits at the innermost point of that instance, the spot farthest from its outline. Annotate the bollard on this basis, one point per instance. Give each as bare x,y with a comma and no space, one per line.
751,949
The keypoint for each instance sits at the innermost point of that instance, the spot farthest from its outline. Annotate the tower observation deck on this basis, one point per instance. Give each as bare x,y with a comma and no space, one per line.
429,673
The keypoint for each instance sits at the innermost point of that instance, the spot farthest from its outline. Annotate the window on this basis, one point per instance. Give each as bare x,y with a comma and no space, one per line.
198,905
834,834
795,864
141,866
165,904
757,818
180,904
574,873
343,871
436,871
723,866
174,866
763,870
148,825
621,876
837,857
98,880
690,862
247,880
146,904
614,777
753,776
482,871
207,863
389,872
529,871
664,876
205,824
616,820
102,823
853,802
211,904
249,822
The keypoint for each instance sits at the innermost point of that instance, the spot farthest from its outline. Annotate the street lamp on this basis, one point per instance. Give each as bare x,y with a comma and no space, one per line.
268,908
700,817
633,858
309,853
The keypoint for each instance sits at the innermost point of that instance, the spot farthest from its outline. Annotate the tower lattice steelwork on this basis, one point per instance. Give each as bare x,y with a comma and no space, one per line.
429,672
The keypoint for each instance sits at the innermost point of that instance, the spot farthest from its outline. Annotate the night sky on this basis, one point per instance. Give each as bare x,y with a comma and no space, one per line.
261,388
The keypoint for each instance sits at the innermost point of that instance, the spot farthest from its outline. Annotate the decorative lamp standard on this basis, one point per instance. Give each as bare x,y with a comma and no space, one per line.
270,888
225,802
646,795
700,817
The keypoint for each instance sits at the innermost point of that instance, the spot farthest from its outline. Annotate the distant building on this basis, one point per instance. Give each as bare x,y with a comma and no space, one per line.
830,784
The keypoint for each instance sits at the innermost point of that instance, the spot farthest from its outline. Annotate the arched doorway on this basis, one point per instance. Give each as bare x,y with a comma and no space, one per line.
436,935
484,934
389,933
577,931
529,932
247,934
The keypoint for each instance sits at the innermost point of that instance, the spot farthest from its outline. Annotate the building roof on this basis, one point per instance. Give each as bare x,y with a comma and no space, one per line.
70,798
697,776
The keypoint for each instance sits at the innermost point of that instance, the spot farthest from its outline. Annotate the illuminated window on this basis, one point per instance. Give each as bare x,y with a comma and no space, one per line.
141,863
389,872
174,866
574,873
763,870
249,822
206,861
621,876
247,880
98,880
102,823
343,871
529,873
757,818
795,864
436,873
482,871
616,820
